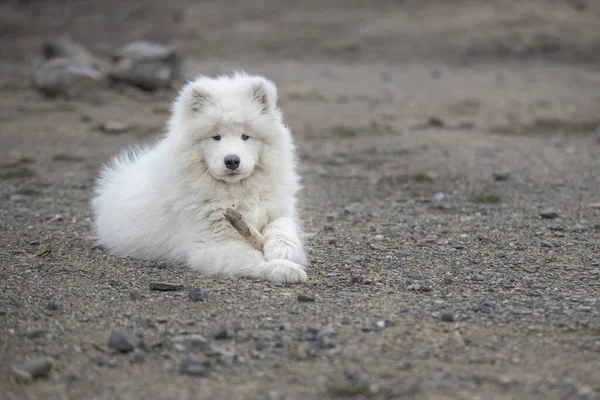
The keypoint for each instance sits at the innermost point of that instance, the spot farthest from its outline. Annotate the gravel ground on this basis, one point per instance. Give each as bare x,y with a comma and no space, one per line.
451,204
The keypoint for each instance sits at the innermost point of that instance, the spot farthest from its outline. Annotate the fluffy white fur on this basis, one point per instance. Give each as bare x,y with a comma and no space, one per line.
165,202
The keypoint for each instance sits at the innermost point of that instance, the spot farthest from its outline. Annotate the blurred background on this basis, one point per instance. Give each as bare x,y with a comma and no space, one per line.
501,65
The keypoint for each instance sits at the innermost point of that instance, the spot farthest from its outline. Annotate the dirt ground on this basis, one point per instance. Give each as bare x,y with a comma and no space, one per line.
452,205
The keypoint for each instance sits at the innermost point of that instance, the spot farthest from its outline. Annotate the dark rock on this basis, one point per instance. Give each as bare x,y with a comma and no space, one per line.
125,341
447,317
197,294
435,122
222,333
357,279
165,286
32,369
303,298
192,367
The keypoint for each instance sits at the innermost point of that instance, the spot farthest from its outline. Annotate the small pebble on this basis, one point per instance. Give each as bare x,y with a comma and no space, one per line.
135,295
19,198
44,250
501,175
379,237
547,244
439,196
197,294
447,317
549,213
303,298
222,333
192,367
138,357
113,127
302,351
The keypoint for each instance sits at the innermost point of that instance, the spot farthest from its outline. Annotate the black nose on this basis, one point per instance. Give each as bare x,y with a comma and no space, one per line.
232,162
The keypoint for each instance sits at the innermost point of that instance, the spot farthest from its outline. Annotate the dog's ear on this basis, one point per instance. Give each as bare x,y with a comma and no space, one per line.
264,93
197,99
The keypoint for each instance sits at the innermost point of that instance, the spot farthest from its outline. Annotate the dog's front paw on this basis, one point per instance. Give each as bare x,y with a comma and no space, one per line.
278,249
285,271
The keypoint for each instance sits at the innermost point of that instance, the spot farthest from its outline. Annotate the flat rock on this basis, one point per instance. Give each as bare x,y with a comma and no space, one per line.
165,286
304,298
549,213
192,367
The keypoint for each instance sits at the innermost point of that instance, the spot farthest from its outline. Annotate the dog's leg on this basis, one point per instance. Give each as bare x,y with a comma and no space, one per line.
283,242
240,259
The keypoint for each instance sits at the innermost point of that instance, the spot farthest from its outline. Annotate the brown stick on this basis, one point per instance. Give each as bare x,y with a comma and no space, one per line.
248,232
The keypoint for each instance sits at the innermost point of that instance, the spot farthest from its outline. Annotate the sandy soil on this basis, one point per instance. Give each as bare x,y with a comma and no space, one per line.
434,137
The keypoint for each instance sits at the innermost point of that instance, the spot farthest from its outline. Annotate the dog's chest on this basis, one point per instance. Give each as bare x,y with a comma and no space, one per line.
253,208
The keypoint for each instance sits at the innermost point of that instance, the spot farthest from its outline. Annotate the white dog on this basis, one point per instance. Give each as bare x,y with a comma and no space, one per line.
226,147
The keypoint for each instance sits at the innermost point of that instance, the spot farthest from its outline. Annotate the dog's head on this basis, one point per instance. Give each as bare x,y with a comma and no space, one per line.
227,123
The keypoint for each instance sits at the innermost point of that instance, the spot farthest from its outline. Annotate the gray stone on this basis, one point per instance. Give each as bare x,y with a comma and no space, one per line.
64,47
439,196
32,369
303,298
197,294
147,65
549,213
222,333
125,341
192,367
447,317
19,198
66,77
138,357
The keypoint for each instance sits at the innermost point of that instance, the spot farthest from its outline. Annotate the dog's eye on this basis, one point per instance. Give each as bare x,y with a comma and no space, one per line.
245,137
218,137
